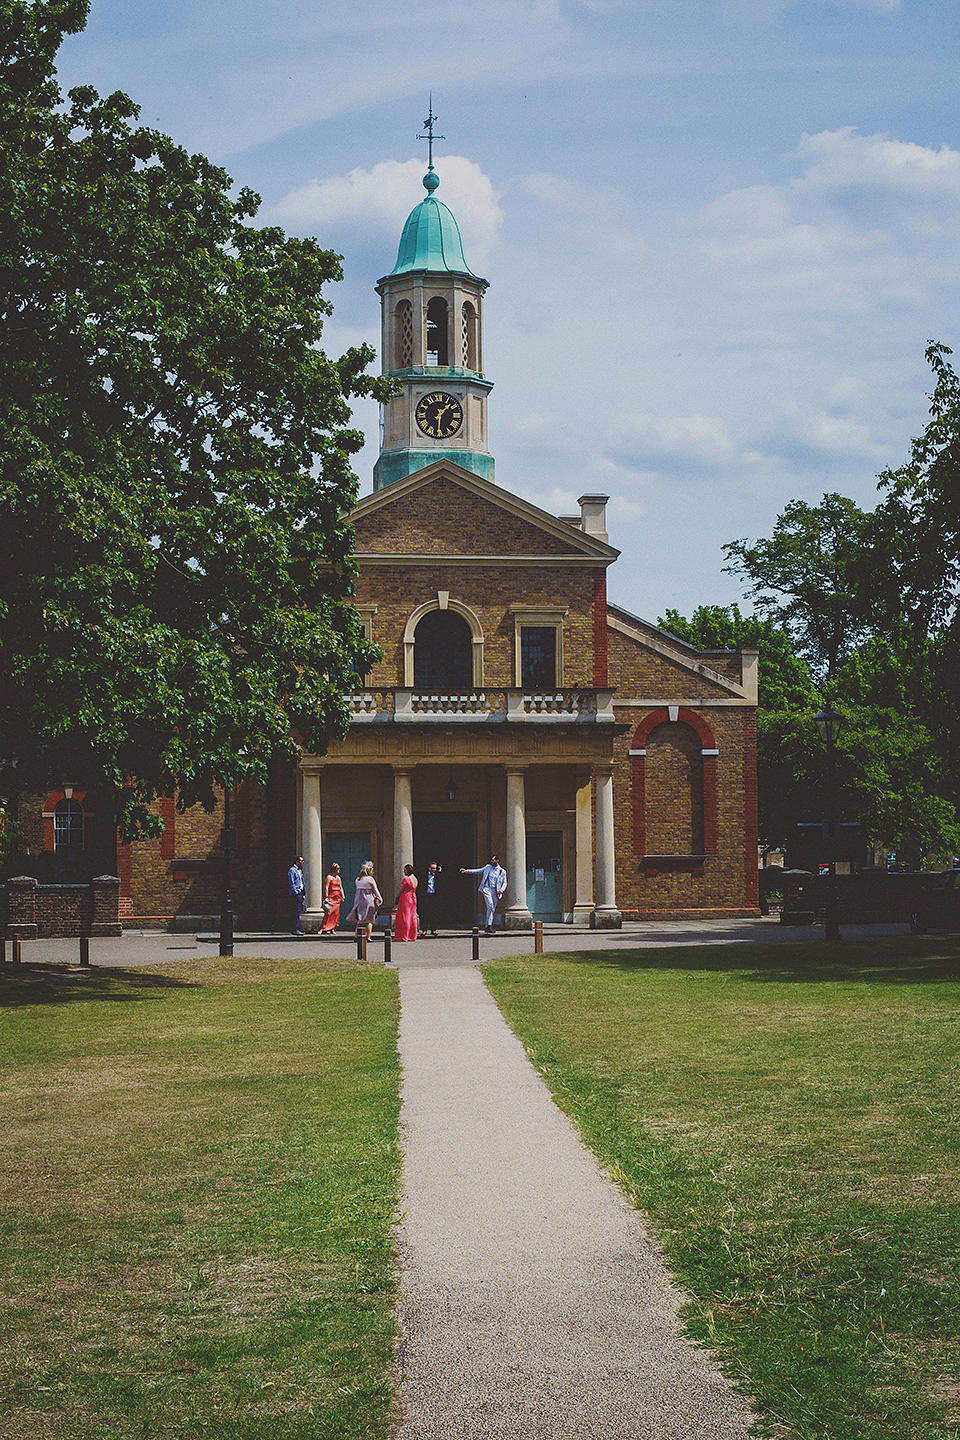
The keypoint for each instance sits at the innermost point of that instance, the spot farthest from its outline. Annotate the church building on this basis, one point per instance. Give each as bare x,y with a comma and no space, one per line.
516,710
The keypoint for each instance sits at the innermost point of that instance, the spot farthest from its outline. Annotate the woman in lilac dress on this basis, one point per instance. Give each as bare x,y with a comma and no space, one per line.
368,899
405,924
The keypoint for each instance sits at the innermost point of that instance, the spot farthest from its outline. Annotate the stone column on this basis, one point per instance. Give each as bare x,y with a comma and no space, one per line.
583,892
606,916
311,848
402,827
516,914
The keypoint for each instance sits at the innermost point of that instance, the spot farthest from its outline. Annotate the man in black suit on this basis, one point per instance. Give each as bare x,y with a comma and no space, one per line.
428,899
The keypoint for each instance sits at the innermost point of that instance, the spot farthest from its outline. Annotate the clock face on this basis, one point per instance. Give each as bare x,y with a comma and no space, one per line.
439,415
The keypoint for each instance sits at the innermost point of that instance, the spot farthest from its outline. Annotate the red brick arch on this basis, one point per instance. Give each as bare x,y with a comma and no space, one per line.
638,762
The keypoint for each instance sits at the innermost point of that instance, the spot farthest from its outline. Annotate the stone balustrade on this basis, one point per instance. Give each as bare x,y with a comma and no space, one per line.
486,705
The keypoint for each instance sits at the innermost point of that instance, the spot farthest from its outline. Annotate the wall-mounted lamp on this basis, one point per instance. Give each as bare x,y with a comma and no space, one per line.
450,790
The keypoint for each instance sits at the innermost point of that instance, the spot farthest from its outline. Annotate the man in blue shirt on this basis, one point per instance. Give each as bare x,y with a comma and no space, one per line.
297,896
493,883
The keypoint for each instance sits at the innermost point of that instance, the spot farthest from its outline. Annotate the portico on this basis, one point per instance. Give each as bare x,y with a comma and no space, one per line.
458,806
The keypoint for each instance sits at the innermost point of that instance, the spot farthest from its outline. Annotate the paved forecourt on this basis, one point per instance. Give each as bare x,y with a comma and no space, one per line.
153,947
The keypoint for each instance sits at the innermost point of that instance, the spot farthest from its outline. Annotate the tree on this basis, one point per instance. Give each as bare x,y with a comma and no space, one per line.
916,531
808,578
175,567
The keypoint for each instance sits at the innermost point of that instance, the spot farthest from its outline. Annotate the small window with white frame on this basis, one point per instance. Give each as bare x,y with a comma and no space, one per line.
538,648
366,613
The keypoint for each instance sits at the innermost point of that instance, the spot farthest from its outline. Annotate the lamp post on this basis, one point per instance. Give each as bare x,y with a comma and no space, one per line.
829,723
228,842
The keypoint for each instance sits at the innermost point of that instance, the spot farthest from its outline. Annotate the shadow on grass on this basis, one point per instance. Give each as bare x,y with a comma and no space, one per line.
906,960
28,984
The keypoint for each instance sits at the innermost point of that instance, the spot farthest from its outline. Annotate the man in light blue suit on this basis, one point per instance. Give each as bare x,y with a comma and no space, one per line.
492,885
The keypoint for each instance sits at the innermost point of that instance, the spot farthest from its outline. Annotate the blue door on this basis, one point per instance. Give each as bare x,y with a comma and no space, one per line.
545,875
349,848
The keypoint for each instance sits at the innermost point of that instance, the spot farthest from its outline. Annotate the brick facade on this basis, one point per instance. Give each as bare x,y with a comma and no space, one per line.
680,732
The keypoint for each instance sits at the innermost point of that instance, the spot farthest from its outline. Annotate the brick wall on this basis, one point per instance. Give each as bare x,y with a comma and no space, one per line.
49,912
489,592
443,518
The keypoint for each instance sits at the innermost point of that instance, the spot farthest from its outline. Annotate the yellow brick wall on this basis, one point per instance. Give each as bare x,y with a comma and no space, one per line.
489,592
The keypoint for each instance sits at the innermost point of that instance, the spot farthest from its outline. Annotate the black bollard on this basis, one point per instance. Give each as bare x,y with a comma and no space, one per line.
360,934
17,958
84,950
387,945
476,943
3,949
538,937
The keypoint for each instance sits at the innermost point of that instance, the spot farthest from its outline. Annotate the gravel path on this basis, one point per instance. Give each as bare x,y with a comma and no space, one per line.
534,1305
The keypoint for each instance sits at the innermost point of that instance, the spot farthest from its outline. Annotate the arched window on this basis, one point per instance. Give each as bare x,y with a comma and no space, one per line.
442,652
68,824
469,337
437,339
403,335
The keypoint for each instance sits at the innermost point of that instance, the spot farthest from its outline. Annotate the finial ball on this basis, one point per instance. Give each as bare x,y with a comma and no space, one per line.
430,181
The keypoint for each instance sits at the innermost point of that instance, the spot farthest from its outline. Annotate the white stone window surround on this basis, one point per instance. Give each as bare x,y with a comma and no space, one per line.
442,601
544,616
366,613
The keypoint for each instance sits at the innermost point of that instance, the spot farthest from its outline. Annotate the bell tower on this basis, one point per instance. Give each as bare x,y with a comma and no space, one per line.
431,307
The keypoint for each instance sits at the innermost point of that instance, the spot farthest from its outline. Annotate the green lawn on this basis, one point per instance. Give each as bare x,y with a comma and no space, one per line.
199,1173
787,1116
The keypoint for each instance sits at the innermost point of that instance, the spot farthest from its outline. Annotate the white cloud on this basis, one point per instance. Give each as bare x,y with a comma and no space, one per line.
692,436
376,202
850,231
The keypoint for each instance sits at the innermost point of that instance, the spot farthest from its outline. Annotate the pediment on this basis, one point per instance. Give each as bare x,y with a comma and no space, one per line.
444,510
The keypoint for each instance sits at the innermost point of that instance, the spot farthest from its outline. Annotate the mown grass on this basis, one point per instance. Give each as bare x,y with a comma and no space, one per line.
787,1117
200,1172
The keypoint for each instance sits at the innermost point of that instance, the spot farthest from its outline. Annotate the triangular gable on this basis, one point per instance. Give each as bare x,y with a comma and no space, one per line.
679,655
445,510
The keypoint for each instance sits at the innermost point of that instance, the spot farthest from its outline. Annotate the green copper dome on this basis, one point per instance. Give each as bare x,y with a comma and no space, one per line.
431,238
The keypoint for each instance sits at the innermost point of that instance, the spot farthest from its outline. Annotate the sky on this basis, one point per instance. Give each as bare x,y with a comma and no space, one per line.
719,234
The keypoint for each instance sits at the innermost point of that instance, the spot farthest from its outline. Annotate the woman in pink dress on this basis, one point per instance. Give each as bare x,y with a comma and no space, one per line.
405,924
332,896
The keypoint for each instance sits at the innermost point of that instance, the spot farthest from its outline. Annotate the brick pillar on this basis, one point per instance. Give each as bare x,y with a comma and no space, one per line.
750,824
105,906
22,901
600,676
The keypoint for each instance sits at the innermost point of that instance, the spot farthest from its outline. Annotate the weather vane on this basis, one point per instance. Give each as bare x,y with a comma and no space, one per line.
428,126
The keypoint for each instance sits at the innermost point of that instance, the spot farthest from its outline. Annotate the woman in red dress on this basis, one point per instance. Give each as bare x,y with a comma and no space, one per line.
332,896
405,924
